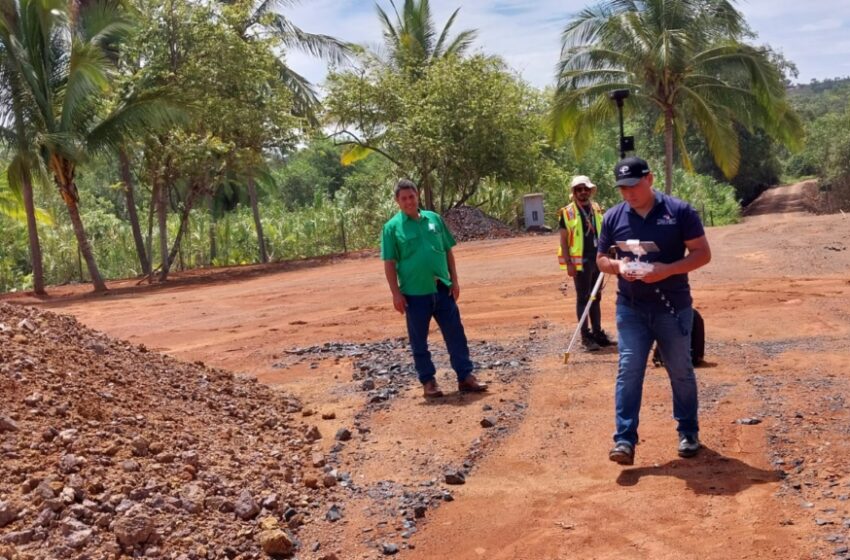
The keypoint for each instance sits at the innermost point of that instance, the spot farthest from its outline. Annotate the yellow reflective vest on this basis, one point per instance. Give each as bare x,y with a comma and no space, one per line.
575,232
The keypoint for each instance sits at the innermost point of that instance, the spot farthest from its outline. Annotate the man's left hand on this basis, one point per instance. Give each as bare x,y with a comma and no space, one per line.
659,272
455,290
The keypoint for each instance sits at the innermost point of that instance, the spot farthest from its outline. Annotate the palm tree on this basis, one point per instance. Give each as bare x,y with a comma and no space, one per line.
412,44
63,54
265,18
683,59
132,213
19,174
412,41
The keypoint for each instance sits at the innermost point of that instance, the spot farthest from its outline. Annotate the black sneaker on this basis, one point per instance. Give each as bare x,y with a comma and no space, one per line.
623,453
602,339
590,344
688,446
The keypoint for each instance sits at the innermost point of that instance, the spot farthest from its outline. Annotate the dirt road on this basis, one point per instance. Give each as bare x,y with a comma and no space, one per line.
773,481
784,199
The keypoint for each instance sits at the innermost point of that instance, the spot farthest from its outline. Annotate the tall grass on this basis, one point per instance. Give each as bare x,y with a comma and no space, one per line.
325,227
350,221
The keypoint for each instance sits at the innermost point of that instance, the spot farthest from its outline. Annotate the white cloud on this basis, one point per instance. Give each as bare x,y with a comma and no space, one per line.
840,48
822,25
526,33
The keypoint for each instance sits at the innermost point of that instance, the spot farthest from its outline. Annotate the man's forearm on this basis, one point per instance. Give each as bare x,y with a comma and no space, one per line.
392,276
607,265
693,260
699,254
450,258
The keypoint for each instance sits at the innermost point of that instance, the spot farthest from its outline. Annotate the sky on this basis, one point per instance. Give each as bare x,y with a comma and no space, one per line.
814,34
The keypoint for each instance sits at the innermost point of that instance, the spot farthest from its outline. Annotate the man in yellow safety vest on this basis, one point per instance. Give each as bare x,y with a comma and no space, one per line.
580,222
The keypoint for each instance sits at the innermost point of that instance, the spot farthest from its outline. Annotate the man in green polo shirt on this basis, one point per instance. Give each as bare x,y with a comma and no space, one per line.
416,247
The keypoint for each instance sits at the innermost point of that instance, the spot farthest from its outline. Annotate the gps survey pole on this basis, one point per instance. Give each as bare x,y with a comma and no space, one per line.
627,144
584,316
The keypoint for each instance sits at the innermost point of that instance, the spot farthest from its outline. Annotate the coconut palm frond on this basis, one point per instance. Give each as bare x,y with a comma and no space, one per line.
151,111
413,40
304,97
687,59
321,46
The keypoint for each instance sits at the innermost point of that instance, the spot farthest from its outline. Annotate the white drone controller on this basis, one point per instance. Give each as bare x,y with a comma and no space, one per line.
636,268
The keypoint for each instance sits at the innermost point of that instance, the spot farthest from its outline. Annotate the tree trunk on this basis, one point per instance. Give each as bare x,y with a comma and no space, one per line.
69,195
212,232
428,192
162,221
668,151
29,198
342,231
466,194
255,209
184,219
149,240
226,239
181,262
32,232
132,213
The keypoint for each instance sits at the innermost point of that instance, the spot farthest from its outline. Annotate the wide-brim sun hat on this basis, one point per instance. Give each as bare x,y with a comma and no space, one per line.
582,180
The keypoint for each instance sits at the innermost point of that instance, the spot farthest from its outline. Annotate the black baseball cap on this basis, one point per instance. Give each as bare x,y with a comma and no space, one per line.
630,171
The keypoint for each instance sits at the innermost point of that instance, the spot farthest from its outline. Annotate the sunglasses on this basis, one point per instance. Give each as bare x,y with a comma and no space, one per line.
582,189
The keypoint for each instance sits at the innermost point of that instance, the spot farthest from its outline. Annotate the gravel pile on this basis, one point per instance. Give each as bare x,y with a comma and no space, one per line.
109,450
467,223
384,369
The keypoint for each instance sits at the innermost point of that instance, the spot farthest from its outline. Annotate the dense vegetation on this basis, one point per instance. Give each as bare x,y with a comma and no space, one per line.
825,108
180,138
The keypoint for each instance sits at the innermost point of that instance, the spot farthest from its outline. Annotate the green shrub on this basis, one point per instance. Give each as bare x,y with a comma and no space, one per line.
714,201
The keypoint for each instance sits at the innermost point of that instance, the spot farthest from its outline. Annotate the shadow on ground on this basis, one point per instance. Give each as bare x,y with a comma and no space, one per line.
455,399
709,473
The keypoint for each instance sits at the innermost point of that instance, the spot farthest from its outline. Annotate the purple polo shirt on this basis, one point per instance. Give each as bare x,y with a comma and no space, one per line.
669,224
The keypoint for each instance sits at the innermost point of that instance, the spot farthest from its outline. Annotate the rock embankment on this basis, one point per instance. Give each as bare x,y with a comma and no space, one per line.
107,450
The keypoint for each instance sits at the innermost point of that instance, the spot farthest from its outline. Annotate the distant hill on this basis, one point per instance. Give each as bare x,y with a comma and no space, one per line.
819,98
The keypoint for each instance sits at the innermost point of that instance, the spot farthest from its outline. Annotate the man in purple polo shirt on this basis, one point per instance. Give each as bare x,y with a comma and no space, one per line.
653,305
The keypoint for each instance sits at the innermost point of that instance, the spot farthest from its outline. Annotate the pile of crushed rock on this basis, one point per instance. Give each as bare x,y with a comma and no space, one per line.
110,451
468,223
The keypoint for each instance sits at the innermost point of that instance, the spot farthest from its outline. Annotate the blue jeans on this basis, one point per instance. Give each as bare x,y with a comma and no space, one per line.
637,329
442,307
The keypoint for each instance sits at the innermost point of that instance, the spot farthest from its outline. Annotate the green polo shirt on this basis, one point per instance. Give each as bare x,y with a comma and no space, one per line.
418,248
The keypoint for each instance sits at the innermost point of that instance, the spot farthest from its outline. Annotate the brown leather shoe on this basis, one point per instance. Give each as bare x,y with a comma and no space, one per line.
431,390
471,385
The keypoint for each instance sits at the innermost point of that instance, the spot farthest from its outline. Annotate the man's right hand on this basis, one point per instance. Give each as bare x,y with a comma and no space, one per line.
571,270
399,303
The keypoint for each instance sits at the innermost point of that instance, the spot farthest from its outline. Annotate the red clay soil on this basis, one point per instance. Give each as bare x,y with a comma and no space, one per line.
772,482
799,197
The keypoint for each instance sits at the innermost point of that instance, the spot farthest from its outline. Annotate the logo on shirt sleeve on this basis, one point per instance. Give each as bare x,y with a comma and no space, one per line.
432,227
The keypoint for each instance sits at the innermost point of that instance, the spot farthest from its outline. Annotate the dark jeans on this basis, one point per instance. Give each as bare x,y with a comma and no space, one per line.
442,307
637,329
584,281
